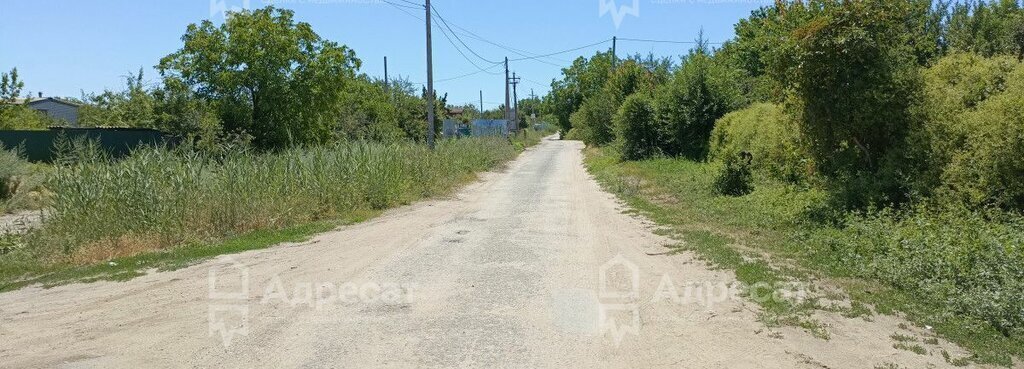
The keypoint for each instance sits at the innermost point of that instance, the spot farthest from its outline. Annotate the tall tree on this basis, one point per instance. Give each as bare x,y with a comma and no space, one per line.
10,86
274,78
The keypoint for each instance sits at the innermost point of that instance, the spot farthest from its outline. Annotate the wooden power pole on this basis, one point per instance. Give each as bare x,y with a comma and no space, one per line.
430,84
615,40
515,103
508,97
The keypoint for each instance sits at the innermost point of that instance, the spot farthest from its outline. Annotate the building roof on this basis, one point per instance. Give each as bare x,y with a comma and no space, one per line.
20,101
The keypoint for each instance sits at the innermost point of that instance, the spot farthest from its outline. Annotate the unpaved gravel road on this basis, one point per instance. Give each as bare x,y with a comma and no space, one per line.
506,273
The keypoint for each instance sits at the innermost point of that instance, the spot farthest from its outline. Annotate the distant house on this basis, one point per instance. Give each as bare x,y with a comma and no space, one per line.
456,112
54,108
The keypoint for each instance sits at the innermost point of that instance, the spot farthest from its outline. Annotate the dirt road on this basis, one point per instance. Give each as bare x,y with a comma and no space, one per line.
532,267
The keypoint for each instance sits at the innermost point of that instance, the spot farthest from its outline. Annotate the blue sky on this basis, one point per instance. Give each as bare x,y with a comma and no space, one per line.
68,46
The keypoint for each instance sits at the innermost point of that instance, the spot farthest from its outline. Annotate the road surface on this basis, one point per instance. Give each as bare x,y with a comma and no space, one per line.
531,267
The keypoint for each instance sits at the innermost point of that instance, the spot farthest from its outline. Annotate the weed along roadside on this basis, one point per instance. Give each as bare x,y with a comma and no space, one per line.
164,210
770,235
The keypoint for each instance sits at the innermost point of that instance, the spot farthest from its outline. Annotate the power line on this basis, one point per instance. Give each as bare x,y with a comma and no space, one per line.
667,41
415,6
445,22
535,82
447,36
402,9
563,51
485,70
516,51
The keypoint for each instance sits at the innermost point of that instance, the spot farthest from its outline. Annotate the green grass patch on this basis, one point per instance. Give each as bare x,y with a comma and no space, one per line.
915,348
17,275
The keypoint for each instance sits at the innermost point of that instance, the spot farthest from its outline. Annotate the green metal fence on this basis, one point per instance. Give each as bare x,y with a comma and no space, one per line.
40,146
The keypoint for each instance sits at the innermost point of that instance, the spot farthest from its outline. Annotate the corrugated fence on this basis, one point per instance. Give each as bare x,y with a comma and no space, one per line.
40,146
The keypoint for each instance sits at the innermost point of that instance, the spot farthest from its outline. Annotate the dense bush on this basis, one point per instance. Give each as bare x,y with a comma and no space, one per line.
769,135
594,119
735,177
580,81
592,122
635,126
974,131
11,167
988,169
701,92
21,117
856,85
21,183
964,262
158,198
962,80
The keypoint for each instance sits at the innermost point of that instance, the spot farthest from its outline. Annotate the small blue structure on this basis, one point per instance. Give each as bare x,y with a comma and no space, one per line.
450,129
490,127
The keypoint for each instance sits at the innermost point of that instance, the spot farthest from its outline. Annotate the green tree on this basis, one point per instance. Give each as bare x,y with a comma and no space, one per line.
14,115
702,91
272,77
987,27
10,86
132,107
856,83
179,112
593,120
638,134
584,79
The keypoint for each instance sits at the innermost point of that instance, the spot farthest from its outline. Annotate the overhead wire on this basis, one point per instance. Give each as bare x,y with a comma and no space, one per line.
516,51
402,5
667,41
563,51
447,36
445,23
448,30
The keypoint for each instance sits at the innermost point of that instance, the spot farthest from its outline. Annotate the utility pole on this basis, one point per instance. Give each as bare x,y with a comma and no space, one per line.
387,82
615,41
430,84
515,99
481,104
508,101
533,107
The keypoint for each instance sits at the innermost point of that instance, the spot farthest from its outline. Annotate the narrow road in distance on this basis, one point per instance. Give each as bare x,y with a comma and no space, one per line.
530,267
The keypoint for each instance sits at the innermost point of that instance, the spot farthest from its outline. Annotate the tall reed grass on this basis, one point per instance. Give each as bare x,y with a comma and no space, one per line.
159,198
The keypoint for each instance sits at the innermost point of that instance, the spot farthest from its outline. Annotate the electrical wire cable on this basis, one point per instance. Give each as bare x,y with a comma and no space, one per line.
445,23
564,51
666,41
402,5
516,51
445,33
403,9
